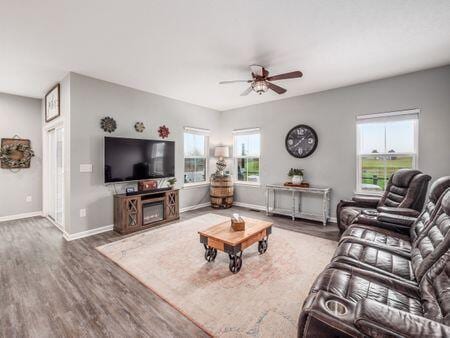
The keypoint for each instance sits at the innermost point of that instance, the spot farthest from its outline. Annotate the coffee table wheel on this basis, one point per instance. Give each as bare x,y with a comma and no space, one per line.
262,246
235,263
210,254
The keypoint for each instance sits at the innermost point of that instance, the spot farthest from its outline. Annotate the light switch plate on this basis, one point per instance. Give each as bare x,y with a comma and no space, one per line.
82,212
85,168
28,198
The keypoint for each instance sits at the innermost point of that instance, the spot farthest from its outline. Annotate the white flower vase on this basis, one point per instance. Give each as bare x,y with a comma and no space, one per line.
297,179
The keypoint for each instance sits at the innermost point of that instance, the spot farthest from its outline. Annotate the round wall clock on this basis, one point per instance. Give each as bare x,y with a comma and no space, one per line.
301,141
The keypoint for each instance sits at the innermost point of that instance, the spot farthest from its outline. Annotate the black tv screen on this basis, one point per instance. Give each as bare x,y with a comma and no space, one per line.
129,159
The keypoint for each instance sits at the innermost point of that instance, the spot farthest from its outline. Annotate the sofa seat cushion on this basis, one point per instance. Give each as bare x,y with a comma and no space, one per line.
375,259
352,286
367,234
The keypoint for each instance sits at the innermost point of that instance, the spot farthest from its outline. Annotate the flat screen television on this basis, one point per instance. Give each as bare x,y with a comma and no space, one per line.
129,159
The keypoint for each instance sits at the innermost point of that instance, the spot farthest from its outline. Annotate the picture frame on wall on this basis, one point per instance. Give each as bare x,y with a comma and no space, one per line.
52,104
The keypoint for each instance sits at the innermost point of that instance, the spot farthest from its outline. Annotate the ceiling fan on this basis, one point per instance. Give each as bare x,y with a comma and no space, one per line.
260,82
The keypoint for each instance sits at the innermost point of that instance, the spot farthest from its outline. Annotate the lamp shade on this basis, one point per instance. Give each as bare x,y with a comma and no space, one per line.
221,151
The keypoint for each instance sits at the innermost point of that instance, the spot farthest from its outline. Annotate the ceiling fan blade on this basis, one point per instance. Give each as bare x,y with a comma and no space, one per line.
257,70
276,89
235,81
247,91
291,75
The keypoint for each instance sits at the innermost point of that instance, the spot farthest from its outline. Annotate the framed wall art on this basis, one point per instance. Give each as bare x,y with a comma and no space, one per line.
52,104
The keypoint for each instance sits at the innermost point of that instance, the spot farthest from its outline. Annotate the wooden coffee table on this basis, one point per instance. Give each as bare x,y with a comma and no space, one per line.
223,238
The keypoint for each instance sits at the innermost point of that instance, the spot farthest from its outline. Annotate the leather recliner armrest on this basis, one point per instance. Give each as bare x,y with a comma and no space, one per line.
375,319
399,211
366,201
400,224
396,219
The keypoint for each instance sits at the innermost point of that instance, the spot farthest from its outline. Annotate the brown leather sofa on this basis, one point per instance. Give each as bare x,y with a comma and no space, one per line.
384,284
404,195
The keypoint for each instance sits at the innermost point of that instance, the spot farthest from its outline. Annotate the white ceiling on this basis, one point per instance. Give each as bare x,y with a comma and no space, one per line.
182,49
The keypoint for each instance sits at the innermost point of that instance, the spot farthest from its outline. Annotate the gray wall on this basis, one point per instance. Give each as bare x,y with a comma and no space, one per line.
332,114
91,100
22,116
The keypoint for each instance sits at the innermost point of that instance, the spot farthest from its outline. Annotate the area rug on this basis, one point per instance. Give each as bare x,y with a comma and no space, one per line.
263,300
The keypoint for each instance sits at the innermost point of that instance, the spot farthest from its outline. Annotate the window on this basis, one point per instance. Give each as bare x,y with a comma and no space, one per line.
385,143
195,155
246,153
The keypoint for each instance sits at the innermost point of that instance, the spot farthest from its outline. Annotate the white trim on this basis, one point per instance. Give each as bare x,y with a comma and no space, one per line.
87,233
196,130
246,130
20,216
196,185
389,114
248,184
194,207
250,206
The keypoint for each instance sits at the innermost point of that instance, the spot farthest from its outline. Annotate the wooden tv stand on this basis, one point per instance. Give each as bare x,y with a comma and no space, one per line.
128,210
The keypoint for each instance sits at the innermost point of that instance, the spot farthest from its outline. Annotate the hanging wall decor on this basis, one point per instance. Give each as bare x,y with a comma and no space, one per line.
163,131
15,153
108,124
52,104
139,127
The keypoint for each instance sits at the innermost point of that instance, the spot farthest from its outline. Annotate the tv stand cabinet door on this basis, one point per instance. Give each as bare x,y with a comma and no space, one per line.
130,218
172,205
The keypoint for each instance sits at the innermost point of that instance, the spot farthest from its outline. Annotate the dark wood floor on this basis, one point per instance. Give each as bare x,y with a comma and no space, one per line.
53,288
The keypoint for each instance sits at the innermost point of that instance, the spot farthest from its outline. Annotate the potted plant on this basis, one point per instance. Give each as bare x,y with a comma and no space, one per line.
296,176
171,182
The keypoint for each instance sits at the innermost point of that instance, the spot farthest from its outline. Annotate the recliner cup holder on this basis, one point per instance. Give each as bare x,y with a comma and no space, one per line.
336,308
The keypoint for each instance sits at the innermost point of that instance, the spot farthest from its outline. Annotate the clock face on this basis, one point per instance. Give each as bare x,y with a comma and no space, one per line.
301,141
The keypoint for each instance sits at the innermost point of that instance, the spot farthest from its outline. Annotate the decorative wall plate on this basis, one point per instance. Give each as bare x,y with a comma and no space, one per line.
15,153
163,131
108,124
139,127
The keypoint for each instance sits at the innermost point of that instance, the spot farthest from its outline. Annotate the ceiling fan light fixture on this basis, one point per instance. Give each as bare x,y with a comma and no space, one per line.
260,87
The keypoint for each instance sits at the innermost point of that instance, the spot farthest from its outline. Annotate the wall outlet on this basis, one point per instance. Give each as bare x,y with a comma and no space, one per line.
85,168
29,198
82,212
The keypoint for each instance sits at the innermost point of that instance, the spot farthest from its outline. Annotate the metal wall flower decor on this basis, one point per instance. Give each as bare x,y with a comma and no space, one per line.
163,131
139,127
108,124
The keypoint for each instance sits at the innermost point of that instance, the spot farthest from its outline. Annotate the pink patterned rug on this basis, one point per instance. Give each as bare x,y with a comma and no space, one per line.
263,300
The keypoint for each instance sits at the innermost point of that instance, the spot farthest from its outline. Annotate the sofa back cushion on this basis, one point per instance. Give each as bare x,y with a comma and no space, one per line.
434,241
437,190
406,188
435,290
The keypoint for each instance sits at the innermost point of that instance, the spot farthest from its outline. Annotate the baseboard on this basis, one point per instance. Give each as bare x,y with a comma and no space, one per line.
250,206
20,216
87,233
197,206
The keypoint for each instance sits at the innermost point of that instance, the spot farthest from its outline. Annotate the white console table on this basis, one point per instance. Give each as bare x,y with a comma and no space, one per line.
272,208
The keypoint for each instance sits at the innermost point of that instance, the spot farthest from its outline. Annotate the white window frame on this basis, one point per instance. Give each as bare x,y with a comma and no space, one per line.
239,132
205,133
388,116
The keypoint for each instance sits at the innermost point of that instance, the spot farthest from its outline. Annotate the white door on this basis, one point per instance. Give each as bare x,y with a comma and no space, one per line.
55,175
